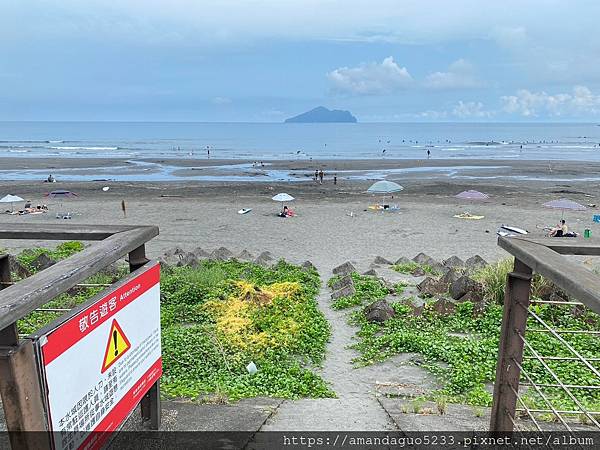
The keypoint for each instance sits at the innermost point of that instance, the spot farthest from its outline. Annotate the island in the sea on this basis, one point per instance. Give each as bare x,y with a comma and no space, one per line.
323,115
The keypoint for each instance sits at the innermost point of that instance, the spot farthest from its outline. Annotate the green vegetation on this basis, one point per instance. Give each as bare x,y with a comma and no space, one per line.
410,267
219,317
461,348
62,251
368,290
493,280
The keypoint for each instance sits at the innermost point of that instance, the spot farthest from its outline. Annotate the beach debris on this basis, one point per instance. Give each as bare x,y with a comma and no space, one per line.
380,260
379,311
42,262
463,285
431,287
344,269
265,259
251,368
221,254
403,260
200,253
454,262
371,273
105,188
346,291
17,268
307,265
475,262
344,281
245,255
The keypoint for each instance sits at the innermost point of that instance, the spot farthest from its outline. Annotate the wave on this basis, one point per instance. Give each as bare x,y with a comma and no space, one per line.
83,148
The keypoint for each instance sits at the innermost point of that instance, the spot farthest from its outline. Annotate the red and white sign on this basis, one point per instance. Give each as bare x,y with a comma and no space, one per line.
99,364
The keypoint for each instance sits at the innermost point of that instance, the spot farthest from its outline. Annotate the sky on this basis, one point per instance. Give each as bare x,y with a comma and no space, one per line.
266,60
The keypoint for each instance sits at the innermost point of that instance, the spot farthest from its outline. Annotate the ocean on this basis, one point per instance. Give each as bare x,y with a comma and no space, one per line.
277,141
136,142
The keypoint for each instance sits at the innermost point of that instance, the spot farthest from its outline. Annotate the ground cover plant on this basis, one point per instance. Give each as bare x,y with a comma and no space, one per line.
218,318
409,267
368,290
221,316
461,348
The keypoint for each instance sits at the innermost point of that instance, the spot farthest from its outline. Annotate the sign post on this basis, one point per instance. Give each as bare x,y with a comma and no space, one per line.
100,362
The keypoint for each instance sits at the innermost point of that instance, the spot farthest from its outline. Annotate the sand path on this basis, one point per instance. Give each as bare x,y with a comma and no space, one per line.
356,407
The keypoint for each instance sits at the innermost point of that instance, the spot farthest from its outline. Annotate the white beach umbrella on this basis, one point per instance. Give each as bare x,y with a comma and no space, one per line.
282,198
384,188
11,199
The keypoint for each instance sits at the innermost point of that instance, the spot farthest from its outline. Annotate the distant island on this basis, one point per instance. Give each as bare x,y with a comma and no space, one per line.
323,115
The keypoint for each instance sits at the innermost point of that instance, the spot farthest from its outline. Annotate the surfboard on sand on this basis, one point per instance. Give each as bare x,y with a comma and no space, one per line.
514,229
244,210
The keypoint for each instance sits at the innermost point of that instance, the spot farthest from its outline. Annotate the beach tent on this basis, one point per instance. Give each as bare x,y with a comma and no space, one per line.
61,194
282,198
384,188
11,199
564,204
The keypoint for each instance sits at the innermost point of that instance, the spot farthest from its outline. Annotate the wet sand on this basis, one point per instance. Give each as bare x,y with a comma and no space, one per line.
191,213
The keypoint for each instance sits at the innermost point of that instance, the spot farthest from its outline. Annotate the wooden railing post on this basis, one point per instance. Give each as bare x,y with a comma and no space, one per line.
19,384
150,404
514,320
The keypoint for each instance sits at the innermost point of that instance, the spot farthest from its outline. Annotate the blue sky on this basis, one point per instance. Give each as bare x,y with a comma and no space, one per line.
265,60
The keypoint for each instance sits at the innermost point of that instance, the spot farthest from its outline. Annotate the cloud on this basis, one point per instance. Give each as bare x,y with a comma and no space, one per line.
221,101
371,78
581,101
471,110
460,75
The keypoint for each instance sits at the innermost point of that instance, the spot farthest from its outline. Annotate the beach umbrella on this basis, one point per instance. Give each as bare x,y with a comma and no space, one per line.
384,188
11,199
564,204
282,198
472,195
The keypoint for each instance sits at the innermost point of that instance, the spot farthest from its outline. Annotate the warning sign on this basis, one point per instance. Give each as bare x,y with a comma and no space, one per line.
98,364
116,346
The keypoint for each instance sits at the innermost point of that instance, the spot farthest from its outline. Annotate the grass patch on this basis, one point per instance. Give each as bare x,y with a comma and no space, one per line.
219,317
465,364
61,251
410,267
240,313
368,290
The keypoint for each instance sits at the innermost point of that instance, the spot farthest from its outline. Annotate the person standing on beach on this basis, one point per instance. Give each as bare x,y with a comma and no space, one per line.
321,175
123,208
316,174
334,178
208,152
428,154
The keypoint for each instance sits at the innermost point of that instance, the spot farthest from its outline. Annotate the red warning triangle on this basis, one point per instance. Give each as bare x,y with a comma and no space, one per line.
117,346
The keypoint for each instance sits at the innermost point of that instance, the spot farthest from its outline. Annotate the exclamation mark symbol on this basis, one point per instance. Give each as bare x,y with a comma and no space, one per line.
115,341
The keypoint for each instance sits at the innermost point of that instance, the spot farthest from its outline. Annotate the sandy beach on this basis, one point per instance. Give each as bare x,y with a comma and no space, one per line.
333,223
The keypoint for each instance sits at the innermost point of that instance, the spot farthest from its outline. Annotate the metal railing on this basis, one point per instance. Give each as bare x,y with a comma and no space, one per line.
548,374
19,384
